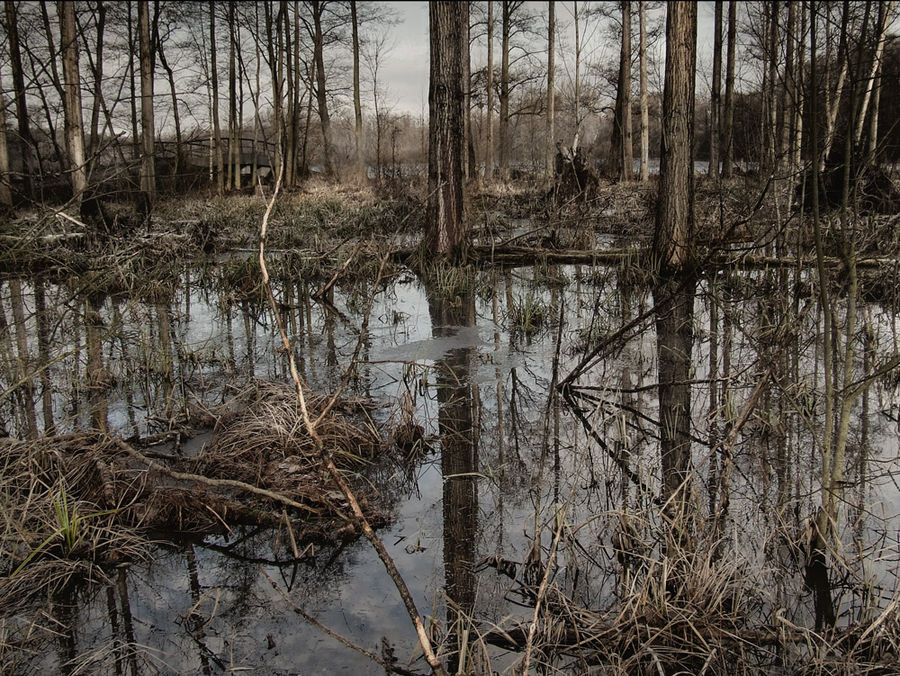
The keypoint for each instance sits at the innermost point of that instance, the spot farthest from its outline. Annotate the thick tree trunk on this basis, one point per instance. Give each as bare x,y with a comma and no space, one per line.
621,142
645,112
148,166
673,247
445,226
715,103
551,90
321,92
728,127
26,143
72,101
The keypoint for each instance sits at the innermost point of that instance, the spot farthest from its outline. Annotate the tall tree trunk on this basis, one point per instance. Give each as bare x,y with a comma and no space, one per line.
621,143
321,92
884,9
357,99
26,143
728,128
132,87
833,97
214,75
94,142
293,103
577,102
5,182
551,90
148,165
504,90
715,102
673,245
789,90
234,122
445,225
176,116
72,100
770,119
645,112
489,123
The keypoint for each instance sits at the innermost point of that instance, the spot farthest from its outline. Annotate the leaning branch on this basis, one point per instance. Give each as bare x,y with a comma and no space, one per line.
361,521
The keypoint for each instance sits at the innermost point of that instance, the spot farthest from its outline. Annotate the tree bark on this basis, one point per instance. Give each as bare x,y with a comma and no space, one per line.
234,121
550,144
715,95
489,123
72,101
645,113
148,166
728,129
26,143
357,101
504,89
133,98
5,182
94,142
445,225
321,93
884,9
214,74
621,145
673,246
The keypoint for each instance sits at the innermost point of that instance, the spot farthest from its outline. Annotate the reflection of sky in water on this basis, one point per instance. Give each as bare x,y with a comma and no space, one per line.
352,594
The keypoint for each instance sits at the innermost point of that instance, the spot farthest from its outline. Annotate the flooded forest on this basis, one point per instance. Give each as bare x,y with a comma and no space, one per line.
591,365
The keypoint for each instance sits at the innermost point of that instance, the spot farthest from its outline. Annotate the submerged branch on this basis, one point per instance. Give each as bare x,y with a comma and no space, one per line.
359,516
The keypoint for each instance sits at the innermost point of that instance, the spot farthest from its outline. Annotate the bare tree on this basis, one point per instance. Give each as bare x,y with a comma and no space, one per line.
448,31
321,92
5,182
489,122
715,103
357,100
645,114
148,166
214,81
621,153
26,143
551,88
728,122
72,101
673,245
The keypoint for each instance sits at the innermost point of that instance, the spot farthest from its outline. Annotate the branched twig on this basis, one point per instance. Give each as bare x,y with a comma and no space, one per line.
333,634
361,520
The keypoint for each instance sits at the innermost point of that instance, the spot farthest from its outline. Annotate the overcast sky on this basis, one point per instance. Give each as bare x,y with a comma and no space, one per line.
405,72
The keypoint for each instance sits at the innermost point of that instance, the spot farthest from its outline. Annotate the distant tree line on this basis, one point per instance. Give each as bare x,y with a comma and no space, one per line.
169,96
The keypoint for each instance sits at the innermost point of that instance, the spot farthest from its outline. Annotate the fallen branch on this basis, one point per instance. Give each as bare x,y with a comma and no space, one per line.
360,517
220,483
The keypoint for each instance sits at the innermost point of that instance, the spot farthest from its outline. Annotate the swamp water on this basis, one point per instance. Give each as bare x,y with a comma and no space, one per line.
507,477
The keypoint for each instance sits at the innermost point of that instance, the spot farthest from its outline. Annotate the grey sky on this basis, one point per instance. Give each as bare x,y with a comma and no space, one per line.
405,71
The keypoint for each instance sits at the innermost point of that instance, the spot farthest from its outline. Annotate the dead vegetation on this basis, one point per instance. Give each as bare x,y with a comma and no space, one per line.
79,504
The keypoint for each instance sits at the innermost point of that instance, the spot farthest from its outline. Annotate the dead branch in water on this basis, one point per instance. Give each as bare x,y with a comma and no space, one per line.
358,514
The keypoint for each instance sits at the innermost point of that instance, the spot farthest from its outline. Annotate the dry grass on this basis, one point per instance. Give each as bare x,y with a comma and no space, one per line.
72,507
